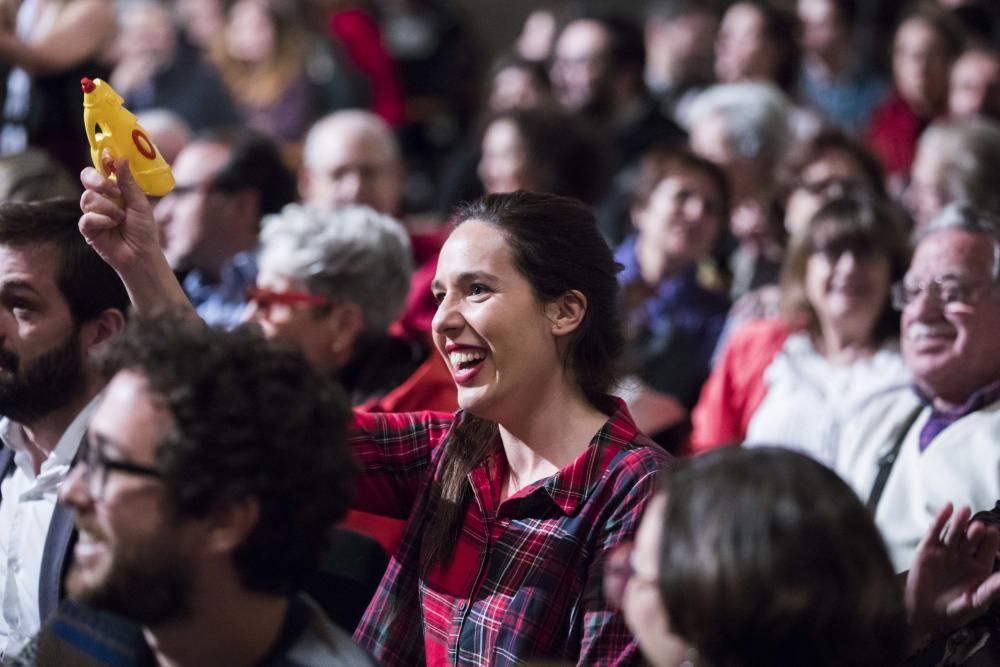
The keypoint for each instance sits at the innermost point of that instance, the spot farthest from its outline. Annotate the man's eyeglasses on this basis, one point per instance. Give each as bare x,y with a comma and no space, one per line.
97,467
942,290
265,298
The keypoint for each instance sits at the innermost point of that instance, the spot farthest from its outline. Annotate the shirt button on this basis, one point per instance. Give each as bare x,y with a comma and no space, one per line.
462,606
15,565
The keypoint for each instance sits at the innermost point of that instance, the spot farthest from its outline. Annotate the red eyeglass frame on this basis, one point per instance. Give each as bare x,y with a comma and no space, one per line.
265,298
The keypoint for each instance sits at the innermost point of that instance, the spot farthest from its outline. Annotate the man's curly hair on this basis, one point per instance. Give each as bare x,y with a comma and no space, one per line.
252,419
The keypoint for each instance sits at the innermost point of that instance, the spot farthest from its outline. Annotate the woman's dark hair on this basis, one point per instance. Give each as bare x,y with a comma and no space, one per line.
556,246
769,558
862,224
564,154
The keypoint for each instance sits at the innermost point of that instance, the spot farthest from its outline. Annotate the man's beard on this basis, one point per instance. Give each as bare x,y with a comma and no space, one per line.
49,383
148,583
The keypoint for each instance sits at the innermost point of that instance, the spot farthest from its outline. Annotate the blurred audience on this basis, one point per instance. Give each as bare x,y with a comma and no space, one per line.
974,86
911,451
674,303
168,130
153,69
956,161
262,55
352,157
759,557
924,47
33,176
743,127
542,150
359,36
226,181
46,48
680,52
828,166
598,70
798,381
834,79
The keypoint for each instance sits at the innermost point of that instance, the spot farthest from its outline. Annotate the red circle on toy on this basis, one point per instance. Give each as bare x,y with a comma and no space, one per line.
144,145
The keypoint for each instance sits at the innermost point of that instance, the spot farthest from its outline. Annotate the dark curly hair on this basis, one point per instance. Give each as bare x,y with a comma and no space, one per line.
252,419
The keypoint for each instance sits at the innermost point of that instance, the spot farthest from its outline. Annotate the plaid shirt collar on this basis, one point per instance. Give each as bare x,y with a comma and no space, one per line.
570,487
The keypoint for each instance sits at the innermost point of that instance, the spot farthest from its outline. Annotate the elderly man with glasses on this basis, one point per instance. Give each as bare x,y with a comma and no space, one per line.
919,449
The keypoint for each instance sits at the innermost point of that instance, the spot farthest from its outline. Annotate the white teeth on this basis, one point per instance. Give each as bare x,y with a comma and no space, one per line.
919,330
465,357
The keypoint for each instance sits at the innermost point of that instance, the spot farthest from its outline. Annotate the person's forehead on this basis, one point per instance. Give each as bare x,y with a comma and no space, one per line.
582,38
955,252
130,418
350,145
199,161
36,264
473,246
977,64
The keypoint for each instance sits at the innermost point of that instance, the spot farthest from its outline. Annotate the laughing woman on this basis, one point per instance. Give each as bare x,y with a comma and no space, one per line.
514,502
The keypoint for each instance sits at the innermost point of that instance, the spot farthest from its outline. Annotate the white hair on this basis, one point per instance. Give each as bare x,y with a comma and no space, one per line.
969,154
352,253
964,217
756,116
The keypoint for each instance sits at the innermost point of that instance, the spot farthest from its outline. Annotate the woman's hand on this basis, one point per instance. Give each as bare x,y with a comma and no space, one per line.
952,579
117,217
118,224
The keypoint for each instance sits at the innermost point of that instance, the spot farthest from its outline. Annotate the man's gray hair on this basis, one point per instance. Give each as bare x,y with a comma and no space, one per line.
969,152
755,114
352,254
964,217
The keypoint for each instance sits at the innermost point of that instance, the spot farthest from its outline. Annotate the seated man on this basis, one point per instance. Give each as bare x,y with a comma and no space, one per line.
914,451
213,467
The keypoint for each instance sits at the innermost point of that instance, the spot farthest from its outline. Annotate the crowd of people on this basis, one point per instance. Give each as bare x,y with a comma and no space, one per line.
670,337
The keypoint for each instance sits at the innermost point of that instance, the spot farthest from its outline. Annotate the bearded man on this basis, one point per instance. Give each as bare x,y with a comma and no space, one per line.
58,302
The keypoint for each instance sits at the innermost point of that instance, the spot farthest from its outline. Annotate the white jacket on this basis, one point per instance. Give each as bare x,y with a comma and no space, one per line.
961,465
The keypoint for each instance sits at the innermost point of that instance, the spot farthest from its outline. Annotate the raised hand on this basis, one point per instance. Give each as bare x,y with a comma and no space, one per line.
117,218
952,579
118,223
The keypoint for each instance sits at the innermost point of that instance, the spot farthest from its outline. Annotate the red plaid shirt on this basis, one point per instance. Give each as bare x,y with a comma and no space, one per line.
526,578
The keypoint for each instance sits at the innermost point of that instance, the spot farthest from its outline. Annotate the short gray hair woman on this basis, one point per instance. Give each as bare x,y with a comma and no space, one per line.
349,254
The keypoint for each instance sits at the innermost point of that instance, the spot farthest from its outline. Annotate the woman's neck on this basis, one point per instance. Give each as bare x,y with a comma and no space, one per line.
548,438
842,346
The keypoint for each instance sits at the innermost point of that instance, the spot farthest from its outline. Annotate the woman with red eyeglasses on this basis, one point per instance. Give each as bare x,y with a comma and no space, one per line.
759,557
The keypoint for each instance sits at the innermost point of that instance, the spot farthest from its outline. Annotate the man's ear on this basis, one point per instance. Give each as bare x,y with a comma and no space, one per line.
229,525
107,325
566,312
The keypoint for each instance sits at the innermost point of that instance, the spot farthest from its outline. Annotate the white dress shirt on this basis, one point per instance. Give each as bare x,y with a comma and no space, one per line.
26,508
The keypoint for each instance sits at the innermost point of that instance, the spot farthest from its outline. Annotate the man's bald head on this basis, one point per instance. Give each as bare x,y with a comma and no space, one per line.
351,157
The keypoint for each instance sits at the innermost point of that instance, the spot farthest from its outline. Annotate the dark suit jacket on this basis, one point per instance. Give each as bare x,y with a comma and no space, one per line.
58,542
